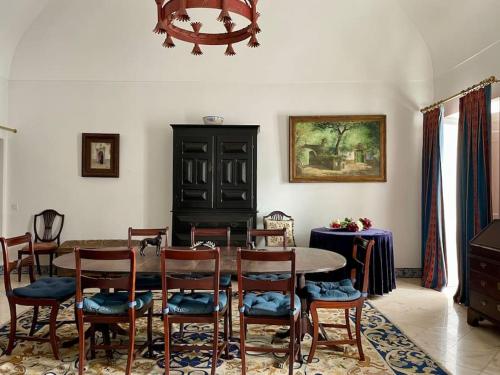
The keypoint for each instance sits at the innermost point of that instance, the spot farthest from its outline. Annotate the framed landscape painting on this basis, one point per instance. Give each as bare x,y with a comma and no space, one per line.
338,148
100,155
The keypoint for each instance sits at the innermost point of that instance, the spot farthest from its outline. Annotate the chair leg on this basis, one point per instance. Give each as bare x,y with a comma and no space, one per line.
242,344
34,320
226,334
291,347
150,332
131,347
230,309
81,344
315,321
38,266
20,269
348,324
52,331
166,333
13,327
51,258
107,340
359,310
215,344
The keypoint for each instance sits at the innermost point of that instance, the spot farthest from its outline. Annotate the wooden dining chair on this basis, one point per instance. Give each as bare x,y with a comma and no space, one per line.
278,220
47,292
266,233
341,295
104,309
194,307
216,234
47,226
268,302
156,238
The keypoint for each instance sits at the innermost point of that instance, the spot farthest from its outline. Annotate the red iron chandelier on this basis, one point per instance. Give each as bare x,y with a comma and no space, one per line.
177,10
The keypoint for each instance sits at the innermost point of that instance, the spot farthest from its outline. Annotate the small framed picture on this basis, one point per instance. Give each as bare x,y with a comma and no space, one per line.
100,155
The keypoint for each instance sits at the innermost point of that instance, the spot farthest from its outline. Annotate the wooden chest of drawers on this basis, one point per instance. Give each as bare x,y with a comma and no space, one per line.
484,272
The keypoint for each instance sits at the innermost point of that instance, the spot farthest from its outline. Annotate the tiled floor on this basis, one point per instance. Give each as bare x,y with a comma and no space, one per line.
431,320
439,326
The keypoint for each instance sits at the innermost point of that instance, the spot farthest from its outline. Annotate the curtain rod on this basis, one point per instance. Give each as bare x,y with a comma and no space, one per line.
8,129
479,85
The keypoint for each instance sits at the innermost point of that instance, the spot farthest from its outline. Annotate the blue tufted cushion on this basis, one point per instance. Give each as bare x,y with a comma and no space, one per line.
269,276
195,303
332,291
146,281
58,288
114,303
269,304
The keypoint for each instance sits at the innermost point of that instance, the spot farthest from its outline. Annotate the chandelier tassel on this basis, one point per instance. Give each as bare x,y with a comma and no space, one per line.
230,50
253,43
197,50
224,14
168,43
182,14
159,28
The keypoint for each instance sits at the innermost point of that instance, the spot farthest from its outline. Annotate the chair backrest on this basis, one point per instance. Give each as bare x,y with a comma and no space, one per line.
361,255
251,233
209,282
123,282
279,220
9,266
43,226
148,232
248,284
198,234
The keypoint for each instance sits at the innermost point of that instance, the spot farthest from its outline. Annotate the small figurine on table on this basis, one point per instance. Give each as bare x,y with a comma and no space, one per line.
154,241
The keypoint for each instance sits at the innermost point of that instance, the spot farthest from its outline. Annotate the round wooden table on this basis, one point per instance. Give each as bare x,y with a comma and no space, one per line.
308,260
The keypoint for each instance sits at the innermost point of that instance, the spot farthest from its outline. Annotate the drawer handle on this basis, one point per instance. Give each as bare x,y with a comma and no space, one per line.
483,265
484,303
483,283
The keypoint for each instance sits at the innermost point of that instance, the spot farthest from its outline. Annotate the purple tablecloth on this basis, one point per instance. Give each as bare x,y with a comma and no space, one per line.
382,273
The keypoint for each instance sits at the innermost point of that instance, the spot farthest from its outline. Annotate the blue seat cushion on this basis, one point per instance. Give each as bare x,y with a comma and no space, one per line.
269,276
195,303
114,303
58,288
145,281
331,291
269,304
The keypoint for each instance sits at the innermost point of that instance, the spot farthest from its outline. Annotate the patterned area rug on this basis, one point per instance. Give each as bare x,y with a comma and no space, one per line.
387,351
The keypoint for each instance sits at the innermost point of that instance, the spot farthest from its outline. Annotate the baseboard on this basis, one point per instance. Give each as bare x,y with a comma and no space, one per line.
409,273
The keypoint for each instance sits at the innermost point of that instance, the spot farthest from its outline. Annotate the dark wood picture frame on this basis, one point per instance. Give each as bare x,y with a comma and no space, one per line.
104,166
323,152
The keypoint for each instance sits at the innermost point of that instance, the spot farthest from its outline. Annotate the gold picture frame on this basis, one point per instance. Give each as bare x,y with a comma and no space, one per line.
337,148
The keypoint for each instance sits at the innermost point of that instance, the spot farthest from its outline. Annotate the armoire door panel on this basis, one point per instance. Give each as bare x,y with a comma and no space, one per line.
227,172
193,179
234,187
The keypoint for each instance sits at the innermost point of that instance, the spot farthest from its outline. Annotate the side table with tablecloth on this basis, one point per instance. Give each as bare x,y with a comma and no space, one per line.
382,272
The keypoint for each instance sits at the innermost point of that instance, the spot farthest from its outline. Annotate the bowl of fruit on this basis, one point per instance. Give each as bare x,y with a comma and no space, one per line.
350,225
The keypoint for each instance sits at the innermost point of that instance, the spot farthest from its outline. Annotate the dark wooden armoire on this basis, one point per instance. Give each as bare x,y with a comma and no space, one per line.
484,273
214,179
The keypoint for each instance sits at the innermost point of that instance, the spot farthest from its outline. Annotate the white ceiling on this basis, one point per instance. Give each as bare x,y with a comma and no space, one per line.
453,30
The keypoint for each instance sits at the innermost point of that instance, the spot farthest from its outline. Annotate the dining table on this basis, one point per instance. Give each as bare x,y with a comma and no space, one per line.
308,260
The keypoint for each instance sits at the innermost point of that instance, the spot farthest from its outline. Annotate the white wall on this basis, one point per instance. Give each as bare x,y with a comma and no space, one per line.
4,91
97,78
45,158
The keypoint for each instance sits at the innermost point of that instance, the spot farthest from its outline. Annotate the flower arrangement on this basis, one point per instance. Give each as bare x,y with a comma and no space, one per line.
351,225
